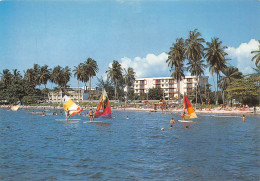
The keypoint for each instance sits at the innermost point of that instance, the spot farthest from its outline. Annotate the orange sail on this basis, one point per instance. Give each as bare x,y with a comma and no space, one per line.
190,113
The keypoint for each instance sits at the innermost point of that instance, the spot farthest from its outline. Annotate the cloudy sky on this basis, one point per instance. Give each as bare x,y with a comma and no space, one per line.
137,33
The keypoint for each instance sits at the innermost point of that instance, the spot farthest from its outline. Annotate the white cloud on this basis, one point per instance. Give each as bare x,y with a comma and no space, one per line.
242,55
149,66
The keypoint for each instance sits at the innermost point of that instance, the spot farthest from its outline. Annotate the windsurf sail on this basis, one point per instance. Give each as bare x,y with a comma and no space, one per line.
69,105
15,108
189,112
103,108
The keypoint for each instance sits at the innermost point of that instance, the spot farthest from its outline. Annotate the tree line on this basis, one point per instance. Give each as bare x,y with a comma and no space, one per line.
192,54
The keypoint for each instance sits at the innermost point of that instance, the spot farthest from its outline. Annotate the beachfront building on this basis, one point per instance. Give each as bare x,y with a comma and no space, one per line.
77,94
168,85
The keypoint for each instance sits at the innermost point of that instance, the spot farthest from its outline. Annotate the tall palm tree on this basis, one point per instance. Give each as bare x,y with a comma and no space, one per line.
91,68
175,62
196,68
44,75
257,71
36,72
114,73
16,75
79,74
215,56
256,57
6,77
57,75
129,78
194,53
66,76
30,77
230,74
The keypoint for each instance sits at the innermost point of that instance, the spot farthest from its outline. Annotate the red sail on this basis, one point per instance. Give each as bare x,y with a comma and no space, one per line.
103,108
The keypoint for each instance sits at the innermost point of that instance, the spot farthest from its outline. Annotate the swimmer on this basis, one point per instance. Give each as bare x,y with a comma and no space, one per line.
243,118
126,117
172,121
170,127
162,129
187,127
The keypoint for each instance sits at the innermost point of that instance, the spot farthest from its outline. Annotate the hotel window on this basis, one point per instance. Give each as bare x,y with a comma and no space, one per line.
162,80
162,85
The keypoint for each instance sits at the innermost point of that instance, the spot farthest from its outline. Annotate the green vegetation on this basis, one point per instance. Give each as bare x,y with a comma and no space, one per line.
192,54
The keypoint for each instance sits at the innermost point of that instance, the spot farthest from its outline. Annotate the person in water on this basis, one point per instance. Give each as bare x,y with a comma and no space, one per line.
162,129
43,113
183,115
126,117
170,127
91,115
243,118
172,121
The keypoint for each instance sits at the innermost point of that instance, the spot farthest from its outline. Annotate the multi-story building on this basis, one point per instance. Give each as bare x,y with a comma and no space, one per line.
168,85
77,94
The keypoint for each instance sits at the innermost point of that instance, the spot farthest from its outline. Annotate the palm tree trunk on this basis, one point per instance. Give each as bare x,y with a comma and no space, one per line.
196,90
78,91
178,85
217,90
115,88
89,88
214,88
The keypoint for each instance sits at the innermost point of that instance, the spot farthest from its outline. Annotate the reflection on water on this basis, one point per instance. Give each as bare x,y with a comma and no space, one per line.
212,148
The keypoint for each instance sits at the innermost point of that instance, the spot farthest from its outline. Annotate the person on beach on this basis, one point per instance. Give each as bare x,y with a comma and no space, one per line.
172,121
91,115
243,118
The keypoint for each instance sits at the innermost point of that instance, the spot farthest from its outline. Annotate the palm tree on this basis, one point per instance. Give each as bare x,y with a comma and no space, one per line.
196,68
175,62
129,78
230,74
36,72
114,73
79,74
194,53
44,75
257,71
16,75
215,56
57,75
6,77
91,68
66,76
30,77
256,57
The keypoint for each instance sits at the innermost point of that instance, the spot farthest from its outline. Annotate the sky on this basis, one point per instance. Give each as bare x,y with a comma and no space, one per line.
137,33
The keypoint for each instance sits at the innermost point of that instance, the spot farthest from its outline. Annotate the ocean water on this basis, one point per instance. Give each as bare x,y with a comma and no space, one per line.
212,148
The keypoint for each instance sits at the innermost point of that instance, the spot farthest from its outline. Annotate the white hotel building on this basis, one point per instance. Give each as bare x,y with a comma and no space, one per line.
168,85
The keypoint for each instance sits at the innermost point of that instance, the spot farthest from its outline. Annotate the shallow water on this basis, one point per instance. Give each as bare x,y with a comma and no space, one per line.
212,148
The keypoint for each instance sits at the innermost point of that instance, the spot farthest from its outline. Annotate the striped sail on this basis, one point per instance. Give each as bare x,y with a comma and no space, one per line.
103,108
68,104
190,113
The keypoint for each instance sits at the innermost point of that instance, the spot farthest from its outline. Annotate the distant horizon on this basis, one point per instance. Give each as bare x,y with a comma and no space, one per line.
136,33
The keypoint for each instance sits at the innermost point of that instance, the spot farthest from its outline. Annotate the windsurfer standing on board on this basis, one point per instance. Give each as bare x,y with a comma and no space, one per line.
182,115
91,115
67,113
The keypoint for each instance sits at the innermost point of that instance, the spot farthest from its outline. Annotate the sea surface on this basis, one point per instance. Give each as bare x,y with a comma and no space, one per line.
213,147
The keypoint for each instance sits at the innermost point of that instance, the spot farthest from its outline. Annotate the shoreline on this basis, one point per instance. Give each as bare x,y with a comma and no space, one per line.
170,110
